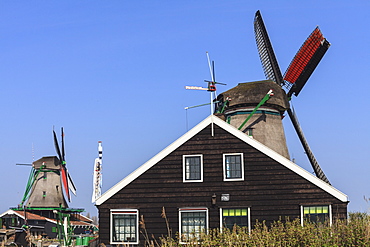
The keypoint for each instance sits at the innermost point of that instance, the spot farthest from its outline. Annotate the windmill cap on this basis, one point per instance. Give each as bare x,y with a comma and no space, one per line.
49,162
251,93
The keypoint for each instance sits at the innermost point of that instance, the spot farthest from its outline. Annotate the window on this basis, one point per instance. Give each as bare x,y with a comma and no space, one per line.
234,216
193,168
249,132
316,213
233,167
193,221
124,226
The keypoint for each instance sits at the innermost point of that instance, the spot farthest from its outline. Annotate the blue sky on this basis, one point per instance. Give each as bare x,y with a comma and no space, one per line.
115,71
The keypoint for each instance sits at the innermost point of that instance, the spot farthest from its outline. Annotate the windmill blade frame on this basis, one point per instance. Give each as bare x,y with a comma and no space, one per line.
315,165
57,149
272,71
71,184
268,59
305,62
63,151
65,177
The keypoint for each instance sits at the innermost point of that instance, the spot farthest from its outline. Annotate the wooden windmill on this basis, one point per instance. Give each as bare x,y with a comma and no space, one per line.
48,177
44,195
266,121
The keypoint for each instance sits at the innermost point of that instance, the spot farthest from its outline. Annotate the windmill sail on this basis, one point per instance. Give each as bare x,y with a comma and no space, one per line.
315,165
297,74
269,63
305,61
71,185
65,177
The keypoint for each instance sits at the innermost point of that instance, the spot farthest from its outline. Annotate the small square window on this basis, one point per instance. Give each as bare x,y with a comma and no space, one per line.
193,168
316,213
233,167
124,226
235,216
192,221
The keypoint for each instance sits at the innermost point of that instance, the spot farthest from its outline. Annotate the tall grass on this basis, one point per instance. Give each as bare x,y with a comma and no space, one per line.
352,232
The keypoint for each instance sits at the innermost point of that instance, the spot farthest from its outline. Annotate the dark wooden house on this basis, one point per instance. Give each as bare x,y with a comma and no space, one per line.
213,176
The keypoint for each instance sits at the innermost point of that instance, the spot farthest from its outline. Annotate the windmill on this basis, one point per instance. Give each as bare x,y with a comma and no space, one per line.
268,117
44,191
47,178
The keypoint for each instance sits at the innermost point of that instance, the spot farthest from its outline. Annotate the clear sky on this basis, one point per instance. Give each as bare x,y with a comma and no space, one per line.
114,71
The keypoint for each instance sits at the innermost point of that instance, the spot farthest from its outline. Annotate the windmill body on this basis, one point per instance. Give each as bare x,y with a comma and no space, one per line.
265,125
47,191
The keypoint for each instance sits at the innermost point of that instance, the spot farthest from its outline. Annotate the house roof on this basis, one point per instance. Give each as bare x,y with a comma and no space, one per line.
30,216
84,218
238,134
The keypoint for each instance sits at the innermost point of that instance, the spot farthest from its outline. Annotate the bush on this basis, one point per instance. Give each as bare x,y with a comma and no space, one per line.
352,232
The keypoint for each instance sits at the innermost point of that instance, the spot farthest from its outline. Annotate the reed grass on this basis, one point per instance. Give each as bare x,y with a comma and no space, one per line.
283,233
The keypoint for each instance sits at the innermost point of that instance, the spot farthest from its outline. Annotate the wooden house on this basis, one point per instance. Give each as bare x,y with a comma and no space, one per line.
214,176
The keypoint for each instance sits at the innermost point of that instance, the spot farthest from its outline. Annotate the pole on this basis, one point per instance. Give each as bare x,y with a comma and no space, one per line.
267,97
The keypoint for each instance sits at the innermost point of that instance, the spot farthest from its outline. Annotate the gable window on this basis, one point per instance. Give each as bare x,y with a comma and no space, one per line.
316,213
124,226
231,217
193,168
233,167
192,221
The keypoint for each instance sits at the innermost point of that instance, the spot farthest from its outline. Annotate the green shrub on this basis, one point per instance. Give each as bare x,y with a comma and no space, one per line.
283,233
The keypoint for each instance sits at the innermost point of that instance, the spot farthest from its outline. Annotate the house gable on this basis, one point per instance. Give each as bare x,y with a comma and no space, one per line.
269,190
211,122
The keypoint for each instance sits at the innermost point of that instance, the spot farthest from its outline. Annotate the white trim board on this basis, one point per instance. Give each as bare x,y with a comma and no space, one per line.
237,133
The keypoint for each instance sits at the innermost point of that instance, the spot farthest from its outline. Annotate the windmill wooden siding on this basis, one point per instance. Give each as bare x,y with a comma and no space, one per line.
269,189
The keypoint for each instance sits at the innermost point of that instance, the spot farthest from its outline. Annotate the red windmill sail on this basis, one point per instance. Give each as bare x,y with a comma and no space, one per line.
305,61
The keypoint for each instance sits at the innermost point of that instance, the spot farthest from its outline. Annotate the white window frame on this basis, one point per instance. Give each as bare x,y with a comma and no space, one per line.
184,168
248,212
317,205
128,212
186,210
242,167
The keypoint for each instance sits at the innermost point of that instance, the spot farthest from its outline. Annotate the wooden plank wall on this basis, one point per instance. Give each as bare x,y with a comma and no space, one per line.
270,189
